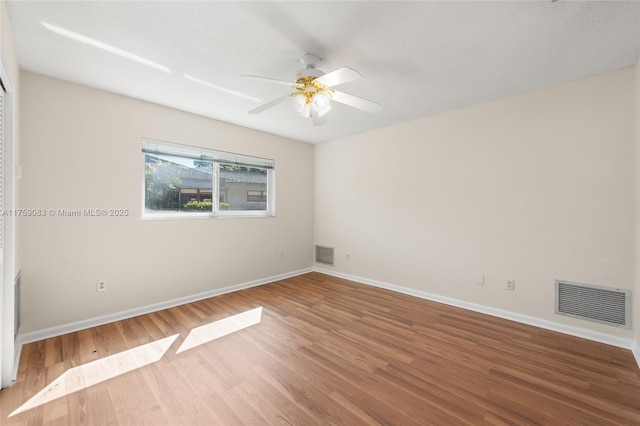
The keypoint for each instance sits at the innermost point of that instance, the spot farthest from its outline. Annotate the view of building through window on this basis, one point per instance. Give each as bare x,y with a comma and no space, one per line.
179,184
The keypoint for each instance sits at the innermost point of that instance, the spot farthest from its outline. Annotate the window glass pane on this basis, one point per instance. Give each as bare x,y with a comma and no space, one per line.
185,181
174,184
244,188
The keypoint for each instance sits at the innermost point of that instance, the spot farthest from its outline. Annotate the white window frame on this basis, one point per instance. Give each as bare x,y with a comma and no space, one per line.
162,148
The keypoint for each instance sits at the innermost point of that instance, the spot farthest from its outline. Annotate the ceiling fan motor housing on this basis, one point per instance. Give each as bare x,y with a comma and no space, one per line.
309,72
310,60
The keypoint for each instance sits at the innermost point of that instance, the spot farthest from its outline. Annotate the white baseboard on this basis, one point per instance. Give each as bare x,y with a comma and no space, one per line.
636,353
525,319
34,336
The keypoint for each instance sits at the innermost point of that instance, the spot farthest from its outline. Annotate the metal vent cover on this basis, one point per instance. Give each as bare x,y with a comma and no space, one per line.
606,305
324,255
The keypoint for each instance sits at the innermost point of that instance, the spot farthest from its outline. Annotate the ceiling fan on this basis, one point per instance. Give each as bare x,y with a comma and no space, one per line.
314,91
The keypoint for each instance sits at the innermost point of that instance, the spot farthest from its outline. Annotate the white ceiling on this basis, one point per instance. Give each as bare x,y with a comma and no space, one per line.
417,58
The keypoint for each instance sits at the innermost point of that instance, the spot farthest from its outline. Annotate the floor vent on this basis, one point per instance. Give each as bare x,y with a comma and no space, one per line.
606,305
324,255
17,289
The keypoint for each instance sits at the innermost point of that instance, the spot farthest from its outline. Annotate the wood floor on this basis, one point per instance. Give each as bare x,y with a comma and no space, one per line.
326,351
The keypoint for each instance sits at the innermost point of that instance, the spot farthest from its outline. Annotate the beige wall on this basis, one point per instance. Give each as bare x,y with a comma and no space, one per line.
534,187
81,149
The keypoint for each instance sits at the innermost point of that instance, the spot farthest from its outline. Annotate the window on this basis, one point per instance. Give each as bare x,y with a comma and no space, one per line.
183,181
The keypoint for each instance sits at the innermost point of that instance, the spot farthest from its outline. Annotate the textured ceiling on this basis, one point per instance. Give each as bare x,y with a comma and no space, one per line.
417,58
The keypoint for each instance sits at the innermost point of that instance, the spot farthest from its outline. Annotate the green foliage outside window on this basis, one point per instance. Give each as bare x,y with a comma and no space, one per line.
161,185
198,206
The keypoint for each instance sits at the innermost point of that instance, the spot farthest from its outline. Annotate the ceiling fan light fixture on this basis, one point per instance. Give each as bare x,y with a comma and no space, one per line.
320,104
298,102
320,101
306,110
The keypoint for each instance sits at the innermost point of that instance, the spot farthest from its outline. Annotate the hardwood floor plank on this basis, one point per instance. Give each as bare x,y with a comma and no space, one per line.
377,344
248,414
384,405
274,387
325,351
273,408
454,408
308,395
340,399
565,396
103,407
53,351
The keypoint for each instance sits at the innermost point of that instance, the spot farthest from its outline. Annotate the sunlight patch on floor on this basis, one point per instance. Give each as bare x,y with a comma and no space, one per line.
206,333
103,369
98,371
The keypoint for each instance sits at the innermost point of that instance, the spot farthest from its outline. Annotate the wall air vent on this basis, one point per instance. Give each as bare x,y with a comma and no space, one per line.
606,305
324,255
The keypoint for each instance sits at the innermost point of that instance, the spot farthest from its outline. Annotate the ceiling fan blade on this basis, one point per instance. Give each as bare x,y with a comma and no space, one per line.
356,102
269,104
319,121
339,76
270,80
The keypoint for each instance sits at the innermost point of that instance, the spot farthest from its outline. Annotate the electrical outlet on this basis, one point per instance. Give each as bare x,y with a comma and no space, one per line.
480,279
347,257
281,252
101,285
511,285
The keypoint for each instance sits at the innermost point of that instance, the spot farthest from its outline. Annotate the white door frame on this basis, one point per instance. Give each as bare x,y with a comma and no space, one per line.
8,361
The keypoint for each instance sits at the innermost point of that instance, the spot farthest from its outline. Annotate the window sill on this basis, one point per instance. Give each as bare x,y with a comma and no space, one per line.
238,214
